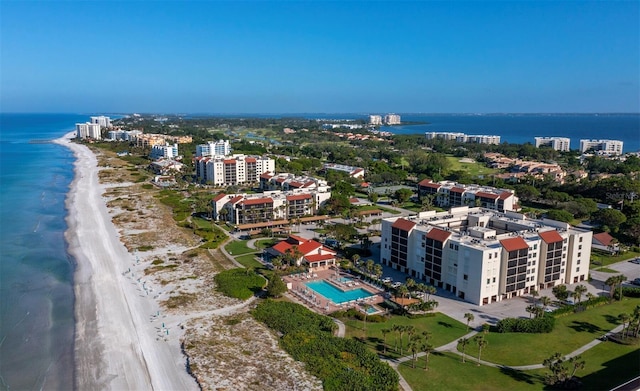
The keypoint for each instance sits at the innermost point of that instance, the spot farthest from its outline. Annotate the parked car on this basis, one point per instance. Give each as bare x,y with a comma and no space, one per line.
635,260
387,280
396,284
636,281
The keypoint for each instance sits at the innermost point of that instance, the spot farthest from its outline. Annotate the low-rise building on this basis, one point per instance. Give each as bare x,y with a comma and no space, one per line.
448,194
484,256
287,181
558,143
354,172
304,252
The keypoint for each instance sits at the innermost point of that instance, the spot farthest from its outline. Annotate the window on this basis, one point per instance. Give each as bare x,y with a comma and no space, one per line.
488,281
579,254
577,263
489,255
580,247
577,269
494,279
535,246
580,240
465,277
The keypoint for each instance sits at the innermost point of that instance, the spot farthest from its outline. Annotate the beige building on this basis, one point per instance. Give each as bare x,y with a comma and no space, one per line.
232,170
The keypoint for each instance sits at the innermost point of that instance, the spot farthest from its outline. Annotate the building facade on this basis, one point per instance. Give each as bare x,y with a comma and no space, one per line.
104,122
286,181
88,130
214,148
463,138
608,147
446,194
375,120
392,119
164,151
484,256
232,170
354,172
558,143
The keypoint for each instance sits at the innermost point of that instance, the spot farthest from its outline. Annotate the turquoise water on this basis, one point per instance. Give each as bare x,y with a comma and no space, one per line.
372,310
336,295
344,280
36,285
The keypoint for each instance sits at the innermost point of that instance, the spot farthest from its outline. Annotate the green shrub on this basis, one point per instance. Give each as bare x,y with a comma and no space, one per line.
239,283
628,291
543,324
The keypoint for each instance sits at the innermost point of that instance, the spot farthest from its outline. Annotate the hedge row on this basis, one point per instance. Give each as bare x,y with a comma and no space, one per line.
543,324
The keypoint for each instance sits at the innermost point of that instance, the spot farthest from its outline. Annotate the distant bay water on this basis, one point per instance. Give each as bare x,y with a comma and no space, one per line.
522,128
36,273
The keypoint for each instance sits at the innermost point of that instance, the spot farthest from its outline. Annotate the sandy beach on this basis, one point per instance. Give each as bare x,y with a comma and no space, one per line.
123,339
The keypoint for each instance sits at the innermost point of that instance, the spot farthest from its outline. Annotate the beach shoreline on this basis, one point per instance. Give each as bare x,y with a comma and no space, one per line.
117,328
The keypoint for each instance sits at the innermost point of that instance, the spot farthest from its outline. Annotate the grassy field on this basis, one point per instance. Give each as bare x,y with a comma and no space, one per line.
443,330
249,260
570,332
238,247
601,259
473,169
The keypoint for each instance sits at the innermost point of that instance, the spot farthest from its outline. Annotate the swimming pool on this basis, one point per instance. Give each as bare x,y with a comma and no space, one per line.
344,280
336,295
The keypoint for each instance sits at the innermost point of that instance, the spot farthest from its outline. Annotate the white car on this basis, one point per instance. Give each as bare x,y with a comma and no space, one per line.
387,279
395,284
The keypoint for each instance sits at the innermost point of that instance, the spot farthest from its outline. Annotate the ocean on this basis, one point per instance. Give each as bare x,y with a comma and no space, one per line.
522,128
36,273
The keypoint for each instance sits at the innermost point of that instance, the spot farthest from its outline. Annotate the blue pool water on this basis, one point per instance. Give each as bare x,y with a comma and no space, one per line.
344,280
372,310
336,295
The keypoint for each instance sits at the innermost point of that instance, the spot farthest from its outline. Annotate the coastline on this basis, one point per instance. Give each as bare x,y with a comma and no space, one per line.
116,343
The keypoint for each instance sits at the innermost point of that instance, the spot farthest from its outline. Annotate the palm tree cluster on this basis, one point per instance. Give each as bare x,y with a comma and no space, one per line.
630,323
560,376
410,287
615,282
481,341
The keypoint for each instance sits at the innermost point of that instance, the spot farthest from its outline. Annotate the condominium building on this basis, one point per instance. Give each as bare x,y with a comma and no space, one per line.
463,138
268,206
232,170
375,120
392,119
448,194
214,148
88,130
484,256
151,139
104,122
558,143
286,181
354,172
608,147
164,151
123,135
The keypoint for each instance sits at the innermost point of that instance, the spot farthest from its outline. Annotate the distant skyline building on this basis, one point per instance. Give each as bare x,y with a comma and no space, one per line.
463,138
214,148
558,143
375,120
392,119
104,122
608,147
88,130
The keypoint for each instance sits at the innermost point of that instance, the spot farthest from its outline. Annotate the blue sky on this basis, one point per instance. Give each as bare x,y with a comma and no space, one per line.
275,57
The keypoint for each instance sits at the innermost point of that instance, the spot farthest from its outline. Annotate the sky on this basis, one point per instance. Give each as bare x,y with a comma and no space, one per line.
316,56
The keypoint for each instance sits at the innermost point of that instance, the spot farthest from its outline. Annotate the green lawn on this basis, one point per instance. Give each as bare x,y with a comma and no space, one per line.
201,223
265,243
473,169
249,260
443,330
571,332
238,247
603,259
447,372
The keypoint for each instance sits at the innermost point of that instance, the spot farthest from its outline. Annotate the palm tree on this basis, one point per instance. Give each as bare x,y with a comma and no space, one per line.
411,330
545,301
576,296
624,318
577,364
377,270
590,296
532,309
384,339
396,329
414,347
402,330
369,266
463,342
636,320
402,290
613,282
410,283
431,290
482,343
579,291
427,349
534,293
469,317
355,258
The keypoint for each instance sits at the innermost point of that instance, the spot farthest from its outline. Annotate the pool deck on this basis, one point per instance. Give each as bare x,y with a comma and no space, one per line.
323,305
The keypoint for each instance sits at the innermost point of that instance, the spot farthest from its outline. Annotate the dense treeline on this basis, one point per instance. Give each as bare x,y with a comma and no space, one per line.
341,364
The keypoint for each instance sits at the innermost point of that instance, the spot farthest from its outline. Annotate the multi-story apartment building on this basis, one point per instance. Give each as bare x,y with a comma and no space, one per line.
88,130
392,119
214,148
123,135
232,170
450,194
151,139
164,151
608,147
354,172
270,205
375,120
286,181
484,256
104,122
558,143
463,138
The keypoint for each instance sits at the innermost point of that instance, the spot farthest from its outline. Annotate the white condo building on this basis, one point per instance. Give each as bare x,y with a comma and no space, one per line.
104,122
392,119
375,120
484,256
354,172
123,135
214,148
232,170
463,138
164,151
88,130
558,143
447,194
608,147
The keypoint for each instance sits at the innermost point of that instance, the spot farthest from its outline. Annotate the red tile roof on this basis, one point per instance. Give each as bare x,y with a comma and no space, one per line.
487,195
235,199
505,194
298,197
456,190
403,224
282,247
219,197
309,183
428,183
250,160
319,257
354,200
603,238
229,161
513,244
257,201
266,175
309,246
551,236
295,184
438,234
295,239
